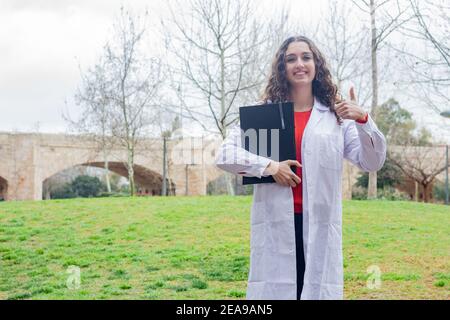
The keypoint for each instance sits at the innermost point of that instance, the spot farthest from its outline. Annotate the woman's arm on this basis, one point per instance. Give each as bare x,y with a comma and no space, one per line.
364,145
233,158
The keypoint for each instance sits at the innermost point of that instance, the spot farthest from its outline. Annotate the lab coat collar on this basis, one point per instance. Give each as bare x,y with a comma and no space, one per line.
319,106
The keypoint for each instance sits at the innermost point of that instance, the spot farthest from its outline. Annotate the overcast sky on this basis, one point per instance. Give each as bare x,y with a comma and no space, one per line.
43,42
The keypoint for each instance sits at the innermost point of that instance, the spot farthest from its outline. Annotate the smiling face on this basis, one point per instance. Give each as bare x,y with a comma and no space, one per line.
299,63
300,66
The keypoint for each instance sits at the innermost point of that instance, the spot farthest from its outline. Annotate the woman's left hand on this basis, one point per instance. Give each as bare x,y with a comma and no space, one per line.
350,109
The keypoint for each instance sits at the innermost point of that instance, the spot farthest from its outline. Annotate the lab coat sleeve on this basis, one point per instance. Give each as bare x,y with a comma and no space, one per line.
364,145
233,158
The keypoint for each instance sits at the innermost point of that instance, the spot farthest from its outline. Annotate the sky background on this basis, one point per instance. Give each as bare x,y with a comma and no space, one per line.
44,42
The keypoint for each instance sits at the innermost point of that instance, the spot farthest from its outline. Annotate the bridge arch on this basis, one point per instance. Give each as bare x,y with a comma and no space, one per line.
148,182
3,189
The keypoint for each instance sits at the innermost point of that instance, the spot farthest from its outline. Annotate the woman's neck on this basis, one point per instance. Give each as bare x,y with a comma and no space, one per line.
303,98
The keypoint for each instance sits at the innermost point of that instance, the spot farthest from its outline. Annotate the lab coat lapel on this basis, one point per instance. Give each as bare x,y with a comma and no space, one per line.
316,115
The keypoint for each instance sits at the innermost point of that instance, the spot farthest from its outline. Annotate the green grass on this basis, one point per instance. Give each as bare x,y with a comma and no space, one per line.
198,248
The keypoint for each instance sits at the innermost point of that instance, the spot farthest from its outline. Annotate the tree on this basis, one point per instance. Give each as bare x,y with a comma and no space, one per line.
419,163
440,39
395,123
95,121
222,56
118,95
347,49
167,161
397,126
393,18
133,84
388,176
411,153
426,56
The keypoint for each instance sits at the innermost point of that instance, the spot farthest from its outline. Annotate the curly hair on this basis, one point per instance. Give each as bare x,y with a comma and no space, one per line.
278,87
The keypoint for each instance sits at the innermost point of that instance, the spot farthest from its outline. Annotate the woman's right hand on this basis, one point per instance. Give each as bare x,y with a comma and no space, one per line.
282,173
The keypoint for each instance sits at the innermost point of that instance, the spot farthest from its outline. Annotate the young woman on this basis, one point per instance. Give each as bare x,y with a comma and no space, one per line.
296,223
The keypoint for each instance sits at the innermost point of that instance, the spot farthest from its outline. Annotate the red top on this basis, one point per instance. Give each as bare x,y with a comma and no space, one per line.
301,119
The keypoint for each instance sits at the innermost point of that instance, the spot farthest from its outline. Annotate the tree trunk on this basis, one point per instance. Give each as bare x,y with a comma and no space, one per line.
186,180
228,177
416,194
230,184
164,181
372,187
108,183
425,193
130,168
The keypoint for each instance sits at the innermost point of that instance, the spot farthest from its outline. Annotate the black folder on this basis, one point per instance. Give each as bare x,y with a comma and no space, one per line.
268,116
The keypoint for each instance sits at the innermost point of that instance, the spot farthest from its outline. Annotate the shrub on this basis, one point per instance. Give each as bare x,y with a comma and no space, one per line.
65,192
359,193
86,186
439,191
81,186
112,194
387,176
390,193
386,193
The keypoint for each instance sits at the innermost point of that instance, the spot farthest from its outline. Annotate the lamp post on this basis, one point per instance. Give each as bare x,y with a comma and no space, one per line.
446,174
190,163
446,114
164,183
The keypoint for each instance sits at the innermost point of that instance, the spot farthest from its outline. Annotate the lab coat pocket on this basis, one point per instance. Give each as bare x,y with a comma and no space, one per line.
330,151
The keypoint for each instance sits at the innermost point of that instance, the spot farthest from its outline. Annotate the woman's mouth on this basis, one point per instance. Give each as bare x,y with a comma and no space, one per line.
300,73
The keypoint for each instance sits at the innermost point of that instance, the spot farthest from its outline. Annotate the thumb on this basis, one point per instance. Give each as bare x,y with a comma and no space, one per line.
352,94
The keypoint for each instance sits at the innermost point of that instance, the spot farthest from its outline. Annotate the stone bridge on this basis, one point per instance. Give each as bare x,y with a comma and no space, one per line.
27,160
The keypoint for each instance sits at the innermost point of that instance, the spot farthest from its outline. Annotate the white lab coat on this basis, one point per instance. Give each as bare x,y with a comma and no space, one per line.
272,239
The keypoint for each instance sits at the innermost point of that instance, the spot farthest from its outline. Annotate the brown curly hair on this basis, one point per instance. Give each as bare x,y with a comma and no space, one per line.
278,87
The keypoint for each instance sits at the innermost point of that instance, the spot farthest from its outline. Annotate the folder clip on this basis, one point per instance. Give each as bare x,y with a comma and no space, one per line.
280,107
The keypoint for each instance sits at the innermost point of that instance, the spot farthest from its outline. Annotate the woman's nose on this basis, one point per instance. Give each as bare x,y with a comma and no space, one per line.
300,63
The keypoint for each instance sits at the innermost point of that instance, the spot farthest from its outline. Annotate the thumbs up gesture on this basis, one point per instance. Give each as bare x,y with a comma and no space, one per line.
350,109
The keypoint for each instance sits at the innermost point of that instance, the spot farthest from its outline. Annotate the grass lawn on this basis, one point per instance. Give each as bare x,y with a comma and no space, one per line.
198,248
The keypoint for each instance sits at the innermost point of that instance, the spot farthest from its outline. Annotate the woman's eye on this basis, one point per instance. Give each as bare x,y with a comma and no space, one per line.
293,59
